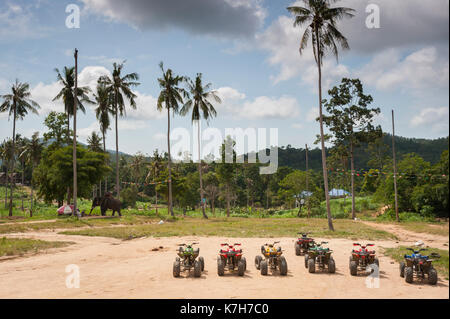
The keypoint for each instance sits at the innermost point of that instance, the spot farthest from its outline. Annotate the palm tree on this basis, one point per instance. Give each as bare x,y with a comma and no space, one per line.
117,86
201,106
67,80
34,148
22,151
153,173
170,97
320,20
94,142
104,109
18,104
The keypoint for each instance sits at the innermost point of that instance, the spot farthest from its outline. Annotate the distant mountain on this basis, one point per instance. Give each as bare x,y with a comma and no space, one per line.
429,150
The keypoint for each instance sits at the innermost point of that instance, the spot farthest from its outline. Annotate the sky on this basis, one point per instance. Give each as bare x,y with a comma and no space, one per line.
247,50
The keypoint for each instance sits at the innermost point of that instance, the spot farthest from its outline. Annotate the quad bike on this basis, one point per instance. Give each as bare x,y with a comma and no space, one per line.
362,258
231,257
419,265
272,259
321,256
187,260
302,244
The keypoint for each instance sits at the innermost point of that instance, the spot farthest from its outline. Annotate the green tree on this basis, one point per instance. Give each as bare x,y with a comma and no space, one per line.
320,19
117,87
54,174
226,169
351,120
34,149
201,106
95,142
105,108
57,134
17,104
292,185
153,173
170,97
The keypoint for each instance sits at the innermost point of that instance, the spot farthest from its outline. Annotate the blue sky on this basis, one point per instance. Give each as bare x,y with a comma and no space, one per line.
248,50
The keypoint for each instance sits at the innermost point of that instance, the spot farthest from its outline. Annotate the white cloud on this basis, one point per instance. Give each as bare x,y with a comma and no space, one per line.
18,22
435,119
421,70
236,103
312,114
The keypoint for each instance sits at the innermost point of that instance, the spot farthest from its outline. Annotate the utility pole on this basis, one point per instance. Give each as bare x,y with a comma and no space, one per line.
307,179
75,106
395,168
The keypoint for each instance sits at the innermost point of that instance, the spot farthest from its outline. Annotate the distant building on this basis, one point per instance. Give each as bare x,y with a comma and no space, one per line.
338,193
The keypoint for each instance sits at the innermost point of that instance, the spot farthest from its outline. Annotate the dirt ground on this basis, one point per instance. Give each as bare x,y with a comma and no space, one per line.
111,268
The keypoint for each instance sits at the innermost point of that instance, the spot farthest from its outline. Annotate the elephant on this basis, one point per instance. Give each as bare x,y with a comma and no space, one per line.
106,202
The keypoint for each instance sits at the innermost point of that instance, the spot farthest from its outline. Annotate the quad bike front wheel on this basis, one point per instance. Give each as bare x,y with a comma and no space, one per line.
331,266
353,268
197,269
176,268
432,276
298,250
402,269
377,262
263,267
258,260
220,267
202,262
311,265
306,260
241,268
244,261
283,266
409,275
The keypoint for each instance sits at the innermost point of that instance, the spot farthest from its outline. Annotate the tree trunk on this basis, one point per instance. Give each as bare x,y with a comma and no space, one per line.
31,186
200,172
156,192
322,140
23,171
117,149
228,202
68,143
6,186
170,209
353,179
104,150
12,183
75,105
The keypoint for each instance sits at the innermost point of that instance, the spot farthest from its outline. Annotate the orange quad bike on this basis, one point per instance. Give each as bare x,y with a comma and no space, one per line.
230,256
273,259
362,259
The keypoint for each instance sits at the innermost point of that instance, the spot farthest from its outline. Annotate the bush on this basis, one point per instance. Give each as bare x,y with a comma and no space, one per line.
129,196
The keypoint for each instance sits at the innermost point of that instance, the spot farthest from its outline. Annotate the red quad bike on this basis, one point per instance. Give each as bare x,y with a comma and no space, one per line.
361,258
302,244
231,256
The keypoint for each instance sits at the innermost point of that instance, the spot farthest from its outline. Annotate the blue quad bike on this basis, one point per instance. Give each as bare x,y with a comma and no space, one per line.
419,266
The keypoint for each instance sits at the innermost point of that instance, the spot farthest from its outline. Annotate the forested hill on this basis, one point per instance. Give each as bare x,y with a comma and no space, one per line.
429,150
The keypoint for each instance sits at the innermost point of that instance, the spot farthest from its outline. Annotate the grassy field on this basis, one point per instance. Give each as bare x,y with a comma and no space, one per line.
440,264
441,229
13,246
240,227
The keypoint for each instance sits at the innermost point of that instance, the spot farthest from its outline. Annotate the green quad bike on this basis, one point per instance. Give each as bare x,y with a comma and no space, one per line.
418,265
187,260
272,259
321,256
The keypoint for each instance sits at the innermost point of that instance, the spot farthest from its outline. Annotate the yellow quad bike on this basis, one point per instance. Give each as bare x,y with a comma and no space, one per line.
272,259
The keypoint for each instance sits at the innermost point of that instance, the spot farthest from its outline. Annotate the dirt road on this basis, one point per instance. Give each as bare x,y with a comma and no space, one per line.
111,268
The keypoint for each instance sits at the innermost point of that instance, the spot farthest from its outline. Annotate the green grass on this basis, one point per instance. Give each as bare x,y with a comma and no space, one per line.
241,227
15,246
422,227
440,264
73,222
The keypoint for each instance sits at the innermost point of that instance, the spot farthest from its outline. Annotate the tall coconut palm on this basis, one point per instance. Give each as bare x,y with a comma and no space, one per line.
104,109
153,174
170,97
320,20
67,80
34,148
118,86
201,106
18,104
